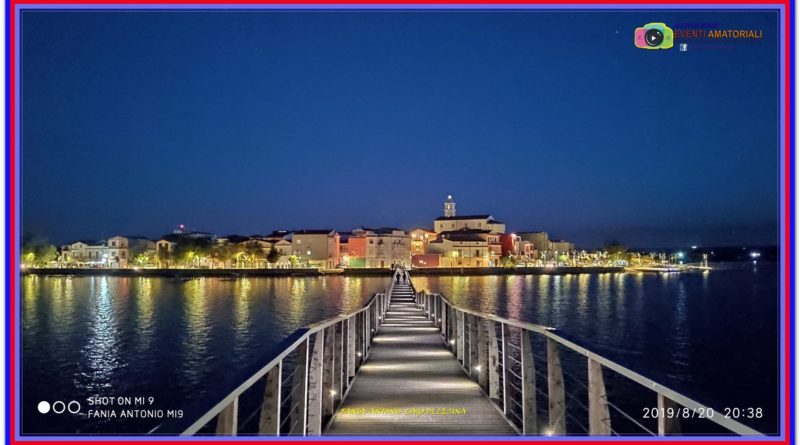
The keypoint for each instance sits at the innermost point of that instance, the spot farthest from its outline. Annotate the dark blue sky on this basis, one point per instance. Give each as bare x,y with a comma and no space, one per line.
244,122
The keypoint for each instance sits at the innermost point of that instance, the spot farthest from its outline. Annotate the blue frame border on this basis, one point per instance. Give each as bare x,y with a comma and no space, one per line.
786,214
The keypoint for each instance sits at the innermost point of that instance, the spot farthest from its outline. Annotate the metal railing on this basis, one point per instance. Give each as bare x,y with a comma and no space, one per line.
300,388
498,353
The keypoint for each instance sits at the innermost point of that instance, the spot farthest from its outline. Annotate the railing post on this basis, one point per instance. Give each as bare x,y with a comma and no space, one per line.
599,419
428,305
367,333
228,418
529,420
300,394
460,336
473,346
667,425
483,353
269,423
315,385
494,361
358,340
328,372
443,319
505,333
338,361
453,329
351,349
375,316
555,390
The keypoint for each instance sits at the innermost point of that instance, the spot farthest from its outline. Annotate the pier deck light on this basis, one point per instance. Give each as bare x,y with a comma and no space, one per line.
478,368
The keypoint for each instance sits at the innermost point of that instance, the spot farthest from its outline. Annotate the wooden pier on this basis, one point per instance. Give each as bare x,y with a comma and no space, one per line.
412,363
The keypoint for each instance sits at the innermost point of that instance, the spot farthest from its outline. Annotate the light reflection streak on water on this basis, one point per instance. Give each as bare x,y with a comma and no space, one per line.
101,351
30,295
145,314
681,333
242,320
515,298
198,328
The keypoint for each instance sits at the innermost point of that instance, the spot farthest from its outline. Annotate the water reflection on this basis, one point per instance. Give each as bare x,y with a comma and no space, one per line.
145,313
173,339
701,334
100,354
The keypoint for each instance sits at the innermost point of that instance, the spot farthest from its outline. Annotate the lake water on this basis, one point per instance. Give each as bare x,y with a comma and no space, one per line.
712,336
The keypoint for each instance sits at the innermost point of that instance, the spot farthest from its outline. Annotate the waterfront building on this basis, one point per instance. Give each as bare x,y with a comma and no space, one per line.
561,246
510,245
426,260
543,248
356,249
85,253
476,222
419,239
461,241
112,252
117,252
344,248
451,222
464,248
281,241
387,246
165,245
377,248
539,240
316,248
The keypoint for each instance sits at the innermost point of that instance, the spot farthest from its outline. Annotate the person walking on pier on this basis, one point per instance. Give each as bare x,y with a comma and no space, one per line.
397,278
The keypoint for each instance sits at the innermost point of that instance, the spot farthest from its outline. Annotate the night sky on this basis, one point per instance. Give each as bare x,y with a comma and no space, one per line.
245,122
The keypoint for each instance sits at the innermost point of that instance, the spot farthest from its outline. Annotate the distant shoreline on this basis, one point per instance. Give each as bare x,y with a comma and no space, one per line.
234,273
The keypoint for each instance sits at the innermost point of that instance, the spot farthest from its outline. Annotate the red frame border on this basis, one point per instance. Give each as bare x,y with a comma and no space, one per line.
12,230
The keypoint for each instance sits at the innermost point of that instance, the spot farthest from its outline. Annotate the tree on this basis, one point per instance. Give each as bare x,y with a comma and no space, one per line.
139,254
143,258
165,257
37,251
294,260
254,252
273,256
224,253
615,249
508,261
192,251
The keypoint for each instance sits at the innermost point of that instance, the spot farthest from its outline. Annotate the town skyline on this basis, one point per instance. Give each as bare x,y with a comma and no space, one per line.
188,228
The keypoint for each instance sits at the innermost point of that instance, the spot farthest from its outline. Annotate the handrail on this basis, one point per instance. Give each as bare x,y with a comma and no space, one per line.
458,337
343,339
302,335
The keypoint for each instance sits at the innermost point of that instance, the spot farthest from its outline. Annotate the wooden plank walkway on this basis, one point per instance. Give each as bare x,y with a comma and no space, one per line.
412,384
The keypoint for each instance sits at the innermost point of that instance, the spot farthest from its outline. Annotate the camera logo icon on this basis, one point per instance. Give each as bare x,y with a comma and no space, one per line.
653,36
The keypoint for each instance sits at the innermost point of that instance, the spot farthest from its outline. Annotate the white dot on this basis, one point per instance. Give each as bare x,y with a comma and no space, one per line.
44,407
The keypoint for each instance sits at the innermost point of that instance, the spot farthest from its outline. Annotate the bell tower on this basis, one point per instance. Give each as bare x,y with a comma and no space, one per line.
449,207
